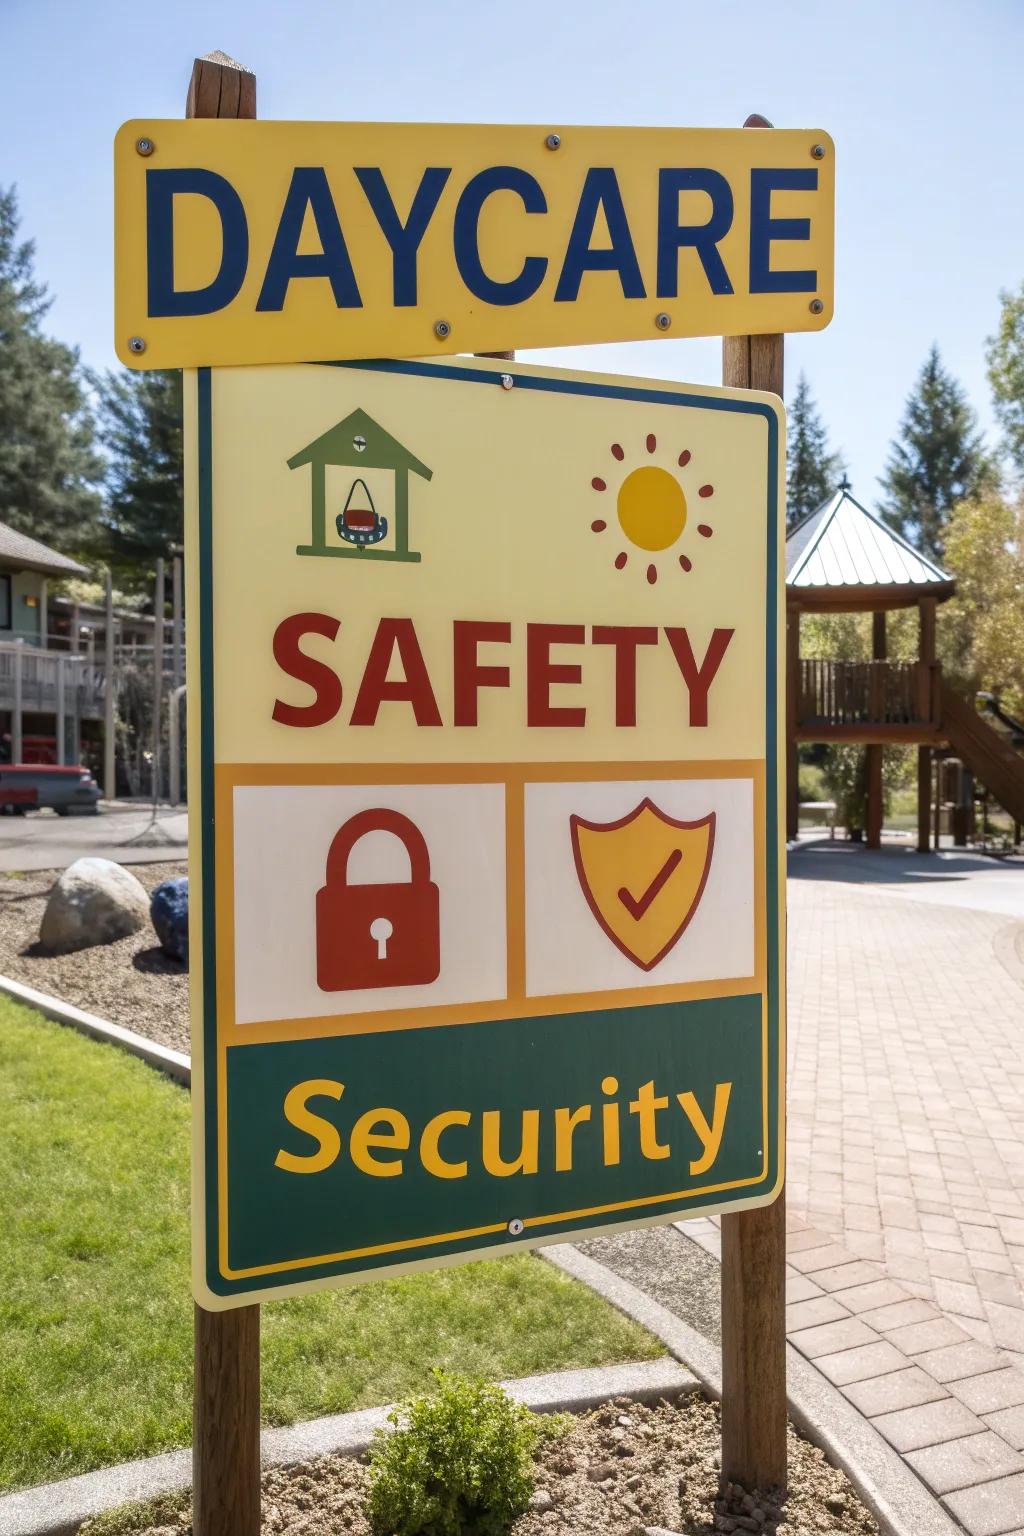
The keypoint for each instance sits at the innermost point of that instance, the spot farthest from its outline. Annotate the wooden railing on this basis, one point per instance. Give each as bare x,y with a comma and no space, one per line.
852,695
40,680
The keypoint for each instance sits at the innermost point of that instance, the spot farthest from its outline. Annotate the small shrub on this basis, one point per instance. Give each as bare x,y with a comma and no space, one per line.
456,1462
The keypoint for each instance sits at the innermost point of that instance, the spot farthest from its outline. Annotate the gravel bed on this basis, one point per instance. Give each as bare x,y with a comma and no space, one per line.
623,1470
130,982
669,1267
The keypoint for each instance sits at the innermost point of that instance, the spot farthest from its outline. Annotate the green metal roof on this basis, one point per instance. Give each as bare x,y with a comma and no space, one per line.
843,545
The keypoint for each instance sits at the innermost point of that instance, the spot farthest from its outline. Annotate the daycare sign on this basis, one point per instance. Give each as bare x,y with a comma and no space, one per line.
485,670
263,242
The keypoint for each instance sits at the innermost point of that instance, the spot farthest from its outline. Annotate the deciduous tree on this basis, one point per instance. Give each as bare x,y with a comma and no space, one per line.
1005,357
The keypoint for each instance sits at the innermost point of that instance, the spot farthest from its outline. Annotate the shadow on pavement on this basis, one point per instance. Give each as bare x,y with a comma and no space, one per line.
825,859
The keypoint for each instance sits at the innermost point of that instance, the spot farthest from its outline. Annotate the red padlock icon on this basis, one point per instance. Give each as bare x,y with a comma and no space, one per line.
377,935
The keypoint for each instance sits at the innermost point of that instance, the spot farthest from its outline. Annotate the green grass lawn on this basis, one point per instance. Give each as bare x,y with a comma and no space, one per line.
95,1310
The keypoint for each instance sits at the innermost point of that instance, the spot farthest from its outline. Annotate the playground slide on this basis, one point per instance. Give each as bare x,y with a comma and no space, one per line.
986,753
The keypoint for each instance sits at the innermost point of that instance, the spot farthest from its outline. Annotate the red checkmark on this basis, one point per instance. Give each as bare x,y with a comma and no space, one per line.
637,908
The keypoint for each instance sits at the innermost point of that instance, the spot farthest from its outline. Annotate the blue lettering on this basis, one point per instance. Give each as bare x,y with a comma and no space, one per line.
497,178
704,238
309,189
764,229
600,190
162,187
404,239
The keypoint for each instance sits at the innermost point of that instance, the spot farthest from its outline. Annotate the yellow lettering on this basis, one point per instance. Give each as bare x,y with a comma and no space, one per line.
646,1106
566,1121
303,1119
526,1162
610,1122
364,1137
710,1135
430,1155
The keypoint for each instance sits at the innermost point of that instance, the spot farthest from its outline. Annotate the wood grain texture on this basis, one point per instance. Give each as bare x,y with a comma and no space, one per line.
226,1423
754,1242
220,87
226,1388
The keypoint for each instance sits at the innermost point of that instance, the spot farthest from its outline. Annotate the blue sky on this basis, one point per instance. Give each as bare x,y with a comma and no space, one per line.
921,97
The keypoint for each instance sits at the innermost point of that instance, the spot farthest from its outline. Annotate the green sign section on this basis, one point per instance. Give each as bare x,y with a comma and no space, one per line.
338,1146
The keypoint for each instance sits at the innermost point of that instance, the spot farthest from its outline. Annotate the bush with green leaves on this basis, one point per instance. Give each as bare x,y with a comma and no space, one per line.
456,1462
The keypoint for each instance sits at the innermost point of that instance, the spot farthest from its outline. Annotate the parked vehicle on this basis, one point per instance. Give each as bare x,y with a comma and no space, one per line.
33,786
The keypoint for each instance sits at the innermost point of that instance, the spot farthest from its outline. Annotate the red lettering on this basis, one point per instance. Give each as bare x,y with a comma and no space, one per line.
541,672
414,688
698,679
469,675
324,681
625,638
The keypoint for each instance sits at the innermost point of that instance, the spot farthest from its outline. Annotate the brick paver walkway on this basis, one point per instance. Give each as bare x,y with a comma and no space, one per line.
906,1093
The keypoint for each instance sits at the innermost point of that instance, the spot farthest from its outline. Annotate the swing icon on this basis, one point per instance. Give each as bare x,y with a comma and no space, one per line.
359,522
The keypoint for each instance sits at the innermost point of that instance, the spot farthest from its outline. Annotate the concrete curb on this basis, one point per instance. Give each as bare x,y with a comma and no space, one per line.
894,1494
58,1509
174,1063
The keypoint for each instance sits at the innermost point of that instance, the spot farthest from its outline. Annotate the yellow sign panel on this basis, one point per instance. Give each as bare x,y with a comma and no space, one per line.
484,674
272,242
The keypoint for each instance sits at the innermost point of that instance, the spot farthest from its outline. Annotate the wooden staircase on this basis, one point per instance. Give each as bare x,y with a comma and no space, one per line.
988,755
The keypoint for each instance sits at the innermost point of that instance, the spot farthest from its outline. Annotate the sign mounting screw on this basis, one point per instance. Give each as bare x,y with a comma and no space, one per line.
516,1227
144,147
817,151
553,140
442,329
507,381
816,306
663,321
136,344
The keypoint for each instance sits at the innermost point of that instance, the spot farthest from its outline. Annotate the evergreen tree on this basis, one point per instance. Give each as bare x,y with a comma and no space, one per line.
812,470
49,469
1005,357
938,460
140,426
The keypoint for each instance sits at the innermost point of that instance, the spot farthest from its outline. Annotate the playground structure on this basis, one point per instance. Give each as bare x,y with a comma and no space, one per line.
841,559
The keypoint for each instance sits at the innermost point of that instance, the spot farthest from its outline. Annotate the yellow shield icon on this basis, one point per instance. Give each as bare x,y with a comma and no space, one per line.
643,877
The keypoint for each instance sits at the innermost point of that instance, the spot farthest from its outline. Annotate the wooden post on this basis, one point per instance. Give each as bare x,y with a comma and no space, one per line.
875,750
926,662
158,674
109,776
177,662
754,1242
44,614
226,1393
792,713
62,730
17,714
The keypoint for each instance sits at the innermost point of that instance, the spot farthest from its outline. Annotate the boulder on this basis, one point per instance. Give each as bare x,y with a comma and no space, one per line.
169,911
94,902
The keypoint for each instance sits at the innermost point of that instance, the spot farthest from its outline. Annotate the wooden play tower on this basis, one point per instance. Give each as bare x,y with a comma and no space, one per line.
841,559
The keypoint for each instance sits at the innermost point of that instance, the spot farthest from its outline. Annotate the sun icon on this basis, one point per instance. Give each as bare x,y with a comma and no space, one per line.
651,507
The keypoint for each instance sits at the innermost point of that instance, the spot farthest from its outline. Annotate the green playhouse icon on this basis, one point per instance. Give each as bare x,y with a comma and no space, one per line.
359,442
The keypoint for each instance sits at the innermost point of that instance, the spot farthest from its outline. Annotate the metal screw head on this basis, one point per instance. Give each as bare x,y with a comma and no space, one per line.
553,140
442,329
144,147
663,321
816,306
516,1228
136,344
507,381
817,151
